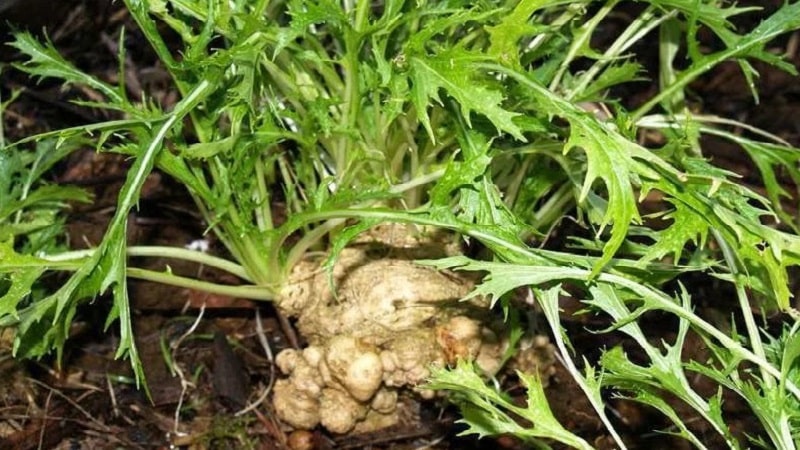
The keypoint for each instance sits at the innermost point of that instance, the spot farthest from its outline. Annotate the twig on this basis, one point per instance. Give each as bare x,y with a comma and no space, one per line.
113,396
44,419
262,338
184,384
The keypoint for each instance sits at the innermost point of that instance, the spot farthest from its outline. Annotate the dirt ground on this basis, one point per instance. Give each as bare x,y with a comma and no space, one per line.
204,354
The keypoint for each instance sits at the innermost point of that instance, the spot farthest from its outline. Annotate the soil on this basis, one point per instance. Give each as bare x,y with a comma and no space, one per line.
208,356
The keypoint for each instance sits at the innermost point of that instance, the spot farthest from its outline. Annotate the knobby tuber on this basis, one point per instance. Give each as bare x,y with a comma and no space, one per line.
387,323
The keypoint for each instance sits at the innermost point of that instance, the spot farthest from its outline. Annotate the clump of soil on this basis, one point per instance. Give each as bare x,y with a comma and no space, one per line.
387,323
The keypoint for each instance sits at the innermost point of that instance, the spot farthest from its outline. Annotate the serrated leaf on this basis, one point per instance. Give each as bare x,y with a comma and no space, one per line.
787,18
589,383
714,16
46,323
484,409
607,159
616,74
665,368
654,400
770,158
609,156
505,36
306,14
31,225
776,409
481,424
452,71
21,272
735,213
447,20
205,150
110,258
45,62
750,45
537,411
479,202
687,226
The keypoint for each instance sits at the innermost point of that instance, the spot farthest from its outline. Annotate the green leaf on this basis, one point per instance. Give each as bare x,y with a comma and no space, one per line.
486,411
52,196
654,399
614,75
110,258
751,45
776,409
453,71
308,13
589,383
356,109
770,158
22,272
505,36
734,212
609,156
687,226
45,324
45,62
665,368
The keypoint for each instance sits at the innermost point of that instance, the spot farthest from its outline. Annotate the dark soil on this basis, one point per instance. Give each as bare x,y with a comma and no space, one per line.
203,354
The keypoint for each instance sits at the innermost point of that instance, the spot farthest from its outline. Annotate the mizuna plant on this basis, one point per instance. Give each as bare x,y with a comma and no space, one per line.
497,121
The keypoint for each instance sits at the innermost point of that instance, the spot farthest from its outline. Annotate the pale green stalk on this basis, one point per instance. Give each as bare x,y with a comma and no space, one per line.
581,39
753,333
641,26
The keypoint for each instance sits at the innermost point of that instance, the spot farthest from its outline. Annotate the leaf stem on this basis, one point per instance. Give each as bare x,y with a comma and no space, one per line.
536,274
744,306
338,218
160,252
666,304
632,34
582,38
548,300
766,31
657,121
252,292
353,40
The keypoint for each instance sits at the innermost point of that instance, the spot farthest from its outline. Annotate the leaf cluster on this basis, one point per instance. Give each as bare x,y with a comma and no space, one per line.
495,120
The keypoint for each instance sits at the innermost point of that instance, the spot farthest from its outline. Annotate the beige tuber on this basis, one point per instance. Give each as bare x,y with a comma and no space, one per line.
388,322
